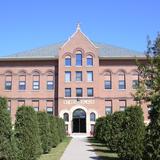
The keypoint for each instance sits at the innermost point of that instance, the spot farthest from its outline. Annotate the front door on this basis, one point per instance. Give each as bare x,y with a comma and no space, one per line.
79,121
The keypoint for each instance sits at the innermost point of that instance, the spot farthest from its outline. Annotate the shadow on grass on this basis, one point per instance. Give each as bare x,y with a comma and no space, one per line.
101,150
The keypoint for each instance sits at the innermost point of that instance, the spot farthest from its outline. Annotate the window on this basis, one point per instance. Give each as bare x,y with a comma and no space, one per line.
79,76
108,107
50,81
135,80
135,84
107,82
21,103
90,76
22,82
79,92
68,61
90,92
122,83
66,117
79,59
92,117
36,81
35,104
49,107
9,105
67,76
67,92
122,105
8,82
89,60
149,110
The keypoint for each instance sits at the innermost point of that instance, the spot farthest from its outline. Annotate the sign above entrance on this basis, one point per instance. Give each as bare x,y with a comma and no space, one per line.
82,102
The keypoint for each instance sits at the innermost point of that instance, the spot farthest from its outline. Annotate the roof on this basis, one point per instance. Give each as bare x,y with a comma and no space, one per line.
51,51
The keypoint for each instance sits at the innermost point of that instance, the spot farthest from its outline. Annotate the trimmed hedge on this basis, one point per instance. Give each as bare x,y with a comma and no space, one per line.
27,134
123,132
7,143
44,131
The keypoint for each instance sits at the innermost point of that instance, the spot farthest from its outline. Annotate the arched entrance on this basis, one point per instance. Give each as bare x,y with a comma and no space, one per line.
79,121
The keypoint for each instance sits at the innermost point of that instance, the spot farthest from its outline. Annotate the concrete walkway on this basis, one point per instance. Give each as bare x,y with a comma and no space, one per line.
79,149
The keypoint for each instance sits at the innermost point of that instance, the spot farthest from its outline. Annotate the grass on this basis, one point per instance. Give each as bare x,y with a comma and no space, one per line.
102,151
56,153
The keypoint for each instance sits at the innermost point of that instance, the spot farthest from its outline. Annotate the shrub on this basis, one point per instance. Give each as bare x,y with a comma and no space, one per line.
54,131
44,131
27,134
7,144
131,146
100,128
61,128
116,130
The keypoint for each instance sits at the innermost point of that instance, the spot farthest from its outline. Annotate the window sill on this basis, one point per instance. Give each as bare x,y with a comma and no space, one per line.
8,90
121,89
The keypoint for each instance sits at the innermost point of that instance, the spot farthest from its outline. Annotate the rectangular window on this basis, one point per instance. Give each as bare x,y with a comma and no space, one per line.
67,76
135,84
50,82
90,76
78,59
8,83
9,105
79,92
67,92
21,103
36,82
107,84
122,105
90,92
108,107
122,84
49,107
22,82
79,76
35,104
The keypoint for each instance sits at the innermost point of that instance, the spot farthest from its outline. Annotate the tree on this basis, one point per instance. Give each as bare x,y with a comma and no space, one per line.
131,142
44,131
150,77
27,134
7,143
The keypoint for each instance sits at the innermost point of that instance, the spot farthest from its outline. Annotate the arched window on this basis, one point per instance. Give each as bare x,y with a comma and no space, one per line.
50,81
78,59
92,117
66,117
89,60
135,80
122,81
22,80
36,80
8,81
108,81
68,61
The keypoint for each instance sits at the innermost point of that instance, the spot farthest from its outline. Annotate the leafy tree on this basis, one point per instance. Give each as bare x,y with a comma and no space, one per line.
7,143
27,134
131,143
149,91
44,131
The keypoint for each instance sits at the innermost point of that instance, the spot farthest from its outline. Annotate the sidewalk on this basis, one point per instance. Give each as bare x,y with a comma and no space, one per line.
79,149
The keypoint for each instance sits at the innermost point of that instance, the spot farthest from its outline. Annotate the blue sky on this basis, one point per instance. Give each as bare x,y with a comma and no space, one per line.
27,24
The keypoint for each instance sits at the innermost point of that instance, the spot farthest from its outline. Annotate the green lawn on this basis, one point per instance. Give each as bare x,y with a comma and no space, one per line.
102,151
56,153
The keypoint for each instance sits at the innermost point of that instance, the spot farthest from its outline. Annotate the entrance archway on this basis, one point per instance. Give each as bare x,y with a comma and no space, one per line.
79,121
